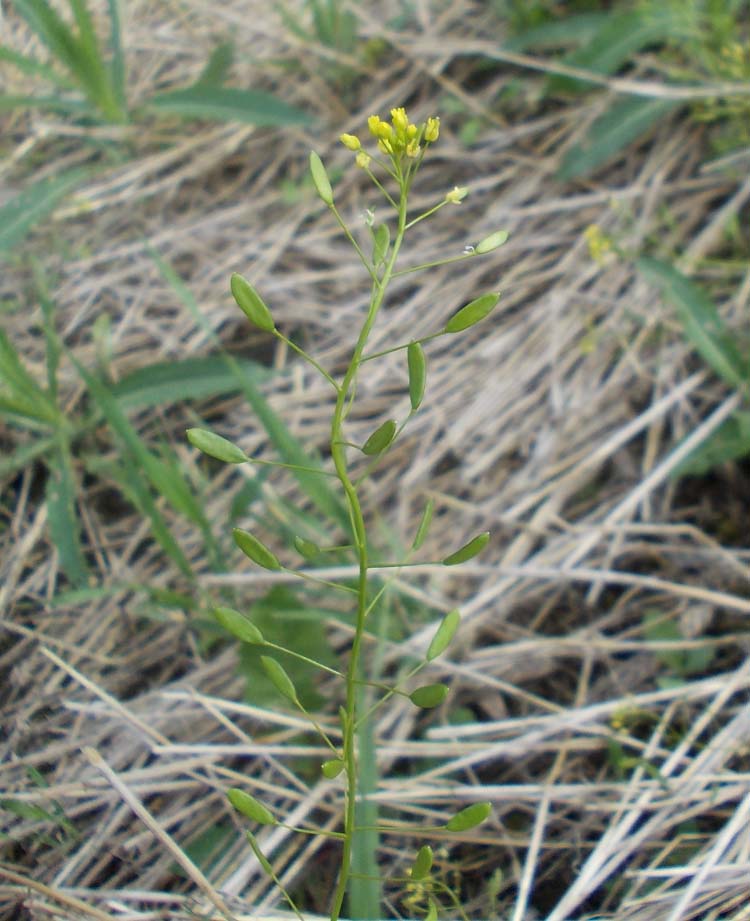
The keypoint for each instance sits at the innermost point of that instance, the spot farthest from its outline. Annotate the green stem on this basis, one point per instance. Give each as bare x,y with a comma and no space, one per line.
338,453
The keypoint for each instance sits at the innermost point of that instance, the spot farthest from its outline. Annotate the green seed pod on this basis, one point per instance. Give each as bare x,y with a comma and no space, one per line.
443,635
249,806
320,178
429,696
382,239
424,525
380,438
470,817
475,546
251,303
255,550
332,768
422,862
215,446
281,681
417,373
306,548
491,242
472,313
238,625
432,912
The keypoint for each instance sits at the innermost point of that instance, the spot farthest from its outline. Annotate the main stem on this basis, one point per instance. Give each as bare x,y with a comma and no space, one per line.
338,453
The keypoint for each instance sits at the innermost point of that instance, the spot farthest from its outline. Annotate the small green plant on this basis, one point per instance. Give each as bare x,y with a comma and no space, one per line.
392,166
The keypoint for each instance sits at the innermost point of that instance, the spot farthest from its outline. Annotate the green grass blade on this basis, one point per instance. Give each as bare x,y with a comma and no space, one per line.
117,64
25,455
729,442
52,30
33,68
216,103
90,67
64,526
217,66
624,122
31,206
59,104
561,33
23,396
53,347
701,322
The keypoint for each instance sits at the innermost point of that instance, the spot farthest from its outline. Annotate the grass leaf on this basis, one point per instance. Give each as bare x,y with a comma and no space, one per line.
216,103
117,64
217,66
729,442
28,208
64,526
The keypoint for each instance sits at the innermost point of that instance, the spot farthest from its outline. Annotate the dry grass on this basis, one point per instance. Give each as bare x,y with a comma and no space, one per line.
555,426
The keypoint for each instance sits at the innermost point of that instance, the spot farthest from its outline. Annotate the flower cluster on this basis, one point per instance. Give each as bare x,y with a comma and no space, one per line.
398,138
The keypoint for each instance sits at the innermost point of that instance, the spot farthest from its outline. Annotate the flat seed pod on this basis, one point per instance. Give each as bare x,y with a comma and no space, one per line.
429,696
469,818
238,625
417,373
255,550
380,438
444,634
380,244
215,446
424,524
249,806
472,313
422,862
251,303
281,681
332,768
475,546
320,178
491,242
306,548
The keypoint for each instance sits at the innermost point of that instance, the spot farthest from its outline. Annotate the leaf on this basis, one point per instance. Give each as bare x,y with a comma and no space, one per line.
250,807
422,863
217,103
432,912
443,635
255,550
424,524
28,208
417,373
729,442
239,626
281,681
572,30
381,242
251,303
117,64
217,66
469,817
320,178
34,68
625,121
493,241
468,551
332,768
429,695
215,446
472,313
64,525
380,439
701,321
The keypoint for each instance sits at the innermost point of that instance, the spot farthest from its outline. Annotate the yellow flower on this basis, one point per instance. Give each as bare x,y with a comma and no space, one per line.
400,121
432,130
373,123
351,141
362,160
412,149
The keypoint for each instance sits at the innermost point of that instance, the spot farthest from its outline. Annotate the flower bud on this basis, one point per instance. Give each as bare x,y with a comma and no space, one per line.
456,195
351,141
432,130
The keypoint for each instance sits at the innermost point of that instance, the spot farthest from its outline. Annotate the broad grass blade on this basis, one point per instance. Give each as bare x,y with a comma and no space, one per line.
217,103
217,66
117,64
31,206
64,526
34,68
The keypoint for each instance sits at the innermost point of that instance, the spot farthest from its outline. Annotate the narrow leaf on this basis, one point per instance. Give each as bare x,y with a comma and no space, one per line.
469,817
255,550
251,303
443,635
380,439
422,863
417,373
332,768
21,213
238,625
219,103
320,178
729,442
64,526
281,681
429,696
215,446
424,524
217,66
250,807
432,912
472,313
475,546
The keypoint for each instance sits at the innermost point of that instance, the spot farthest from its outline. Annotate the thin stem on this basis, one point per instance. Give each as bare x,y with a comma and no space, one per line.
308,358
427,214
350,237
432,265
400,348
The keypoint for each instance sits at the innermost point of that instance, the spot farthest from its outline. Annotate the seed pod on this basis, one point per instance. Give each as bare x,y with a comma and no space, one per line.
417,373
306,548
429,696
255,550
469,818
251,303
382,240
432,912
238,625
332,768
320,178
249,806
281,681
380,439
215,446
424,524
422,862
491,242
443,635
475,546
472,313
